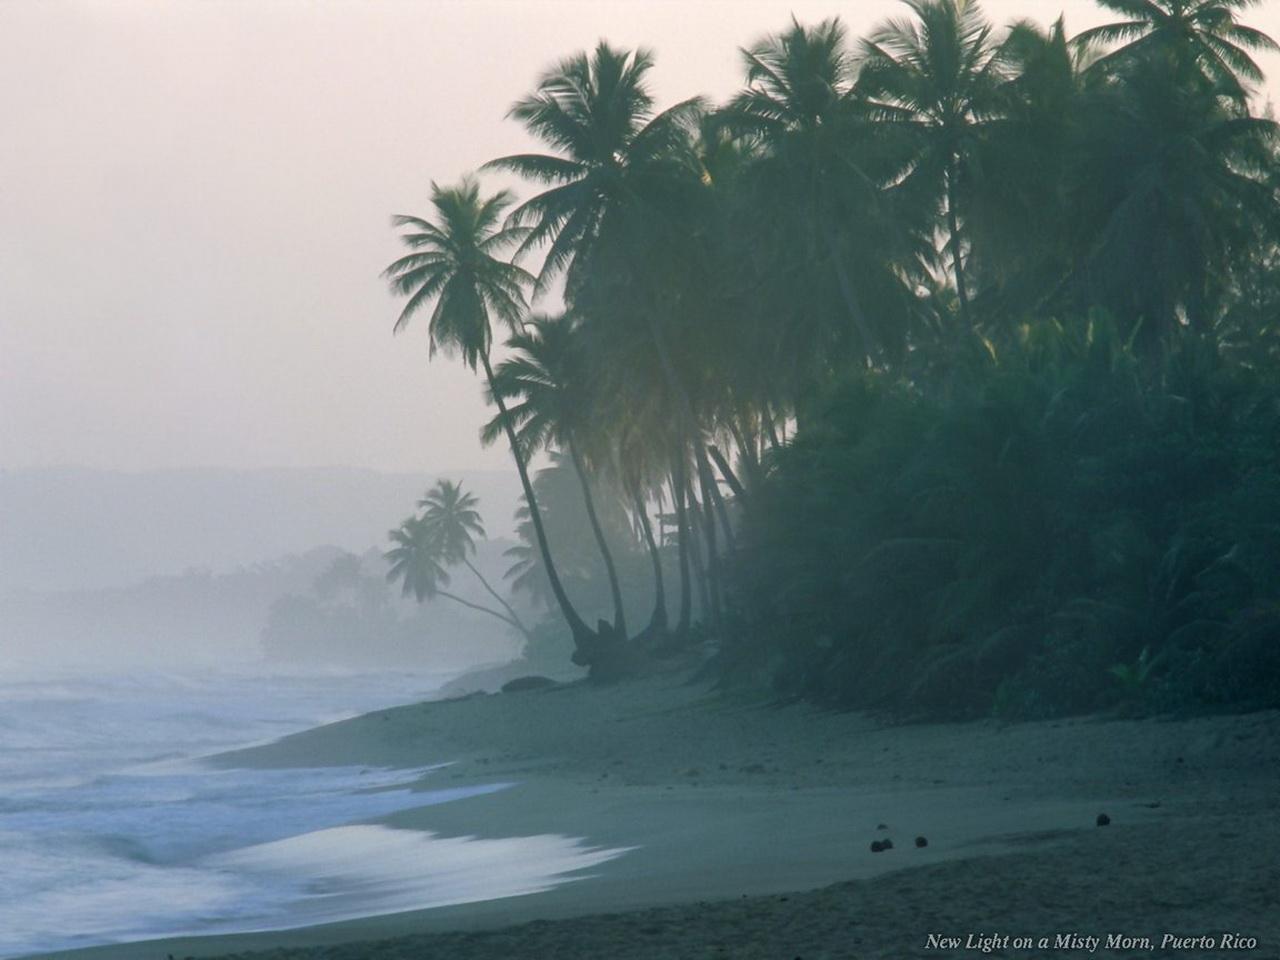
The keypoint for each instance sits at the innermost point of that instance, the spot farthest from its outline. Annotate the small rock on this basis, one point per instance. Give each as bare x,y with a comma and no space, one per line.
1103,820
877,846
882,826
887,845
922,841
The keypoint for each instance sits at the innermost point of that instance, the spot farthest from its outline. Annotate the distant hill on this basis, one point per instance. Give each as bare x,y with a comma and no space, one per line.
84,529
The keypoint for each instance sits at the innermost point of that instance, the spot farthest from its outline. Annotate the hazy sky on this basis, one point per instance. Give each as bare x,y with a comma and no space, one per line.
194,204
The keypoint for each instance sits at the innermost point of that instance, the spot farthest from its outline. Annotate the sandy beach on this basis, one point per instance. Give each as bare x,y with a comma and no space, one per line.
748,828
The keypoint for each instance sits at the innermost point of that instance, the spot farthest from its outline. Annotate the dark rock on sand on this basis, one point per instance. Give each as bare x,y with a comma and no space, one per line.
1103,820
527,683
922,841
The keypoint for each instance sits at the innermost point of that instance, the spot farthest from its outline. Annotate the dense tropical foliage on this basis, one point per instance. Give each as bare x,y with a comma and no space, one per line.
934,372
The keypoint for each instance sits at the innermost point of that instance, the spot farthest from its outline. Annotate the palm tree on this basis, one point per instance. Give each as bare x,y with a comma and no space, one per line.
621,183
544,384
417,559
806,187
1019,248
1173,190
450,514
621,174
937,77
597,114
1200,32
455,265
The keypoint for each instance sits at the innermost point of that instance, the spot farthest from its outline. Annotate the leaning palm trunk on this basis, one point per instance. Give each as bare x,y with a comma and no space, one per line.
658,619
682,538
586,643
619,617
511,614
714,581
694,510
711,490
483,609
726,471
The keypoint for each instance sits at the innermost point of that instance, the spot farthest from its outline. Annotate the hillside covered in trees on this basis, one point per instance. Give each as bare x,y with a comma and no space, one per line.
935,372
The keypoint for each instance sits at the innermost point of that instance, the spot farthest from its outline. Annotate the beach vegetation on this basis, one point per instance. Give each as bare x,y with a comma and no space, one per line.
935,372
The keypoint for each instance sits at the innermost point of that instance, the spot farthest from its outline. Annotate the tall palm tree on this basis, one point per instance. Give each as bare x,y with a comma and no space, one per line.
597,114
805,179
455,264
620,174
937,76
417,560
450,514
1173,191
544,385
1017,211
1200,32
621,181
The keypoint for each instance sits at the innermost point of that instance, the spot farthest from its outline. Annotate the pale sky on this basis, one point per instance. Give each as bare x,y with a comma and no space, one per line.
195,203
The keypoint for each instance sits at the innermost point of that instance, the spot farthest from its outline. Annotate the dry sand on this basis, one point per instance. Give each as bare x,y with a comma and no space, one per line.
733,807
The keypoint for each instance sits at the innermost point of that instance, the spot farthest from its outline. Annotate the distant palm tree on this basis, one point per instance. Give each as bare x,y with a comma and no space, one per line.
544,384
938,76
450,514
417,560
455,265
1203,32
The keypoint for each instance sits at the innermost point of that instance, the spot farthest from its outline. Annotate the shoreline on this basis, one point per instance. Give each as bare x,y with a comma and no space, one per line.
732,806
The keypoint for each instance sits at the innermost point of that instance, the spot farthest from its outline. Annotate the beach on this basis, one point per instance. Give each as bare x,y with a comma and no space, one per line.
737,827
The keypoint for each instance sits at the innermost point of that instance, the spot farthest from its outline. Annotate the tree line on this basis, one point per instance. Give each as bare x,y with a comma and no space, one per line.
943,352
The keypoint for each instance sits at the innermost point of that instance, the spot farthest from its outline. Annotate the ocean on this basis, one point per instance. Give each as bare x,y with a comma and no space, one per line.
112,830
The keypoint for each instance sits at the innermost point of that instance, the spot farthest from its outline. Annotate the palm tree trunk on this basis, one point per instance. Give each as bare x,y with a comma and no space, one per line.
584,639
515,618
619,617
475,606
958,267
682,537
658,620
696,532
715,582
711,492
726,471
